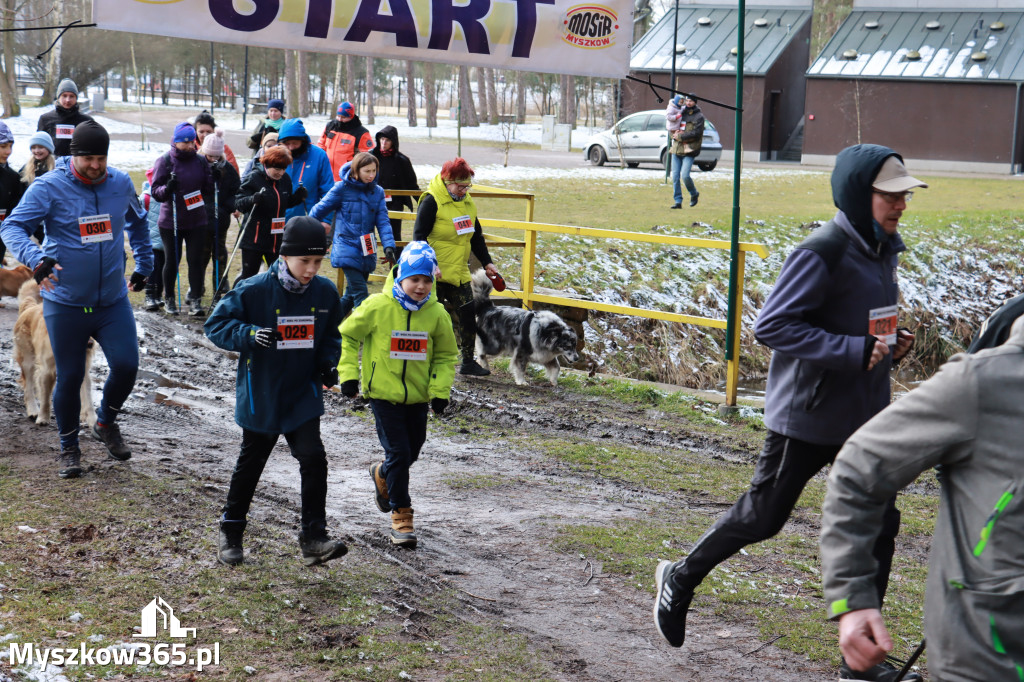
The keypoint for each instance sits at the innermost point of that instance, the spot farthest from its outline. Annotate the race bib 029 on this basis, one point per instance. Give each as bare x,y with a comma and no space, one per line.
408,345
297,332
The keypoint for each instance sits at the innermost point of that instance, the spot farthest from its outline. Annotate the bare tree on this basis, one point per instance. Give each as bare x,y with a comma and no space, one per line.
520,97
467,112
338,70
410,92
492,97
481,94
430,93
302,84
370,90
8,82
350,80
564,98
290,91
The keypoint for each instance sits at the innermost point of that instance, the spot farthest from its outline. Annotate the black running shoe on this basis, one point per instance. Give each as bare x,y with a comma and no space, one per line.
110,436
883,672
670,606
473,369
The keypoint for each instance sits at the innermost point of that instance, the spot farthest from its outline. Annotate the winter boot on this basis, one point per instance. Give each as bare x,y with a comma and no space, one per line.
110,436
380,487
402,533
69,462
229,551
152,303
195,308
318,550
694,198
170,305
472,368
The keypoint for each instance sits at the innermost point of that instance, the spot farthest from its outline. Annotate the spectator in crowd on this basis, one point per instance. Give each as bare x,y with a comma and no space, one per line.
344,137
42,162
205,125
272,123
310,168
396,172
65,117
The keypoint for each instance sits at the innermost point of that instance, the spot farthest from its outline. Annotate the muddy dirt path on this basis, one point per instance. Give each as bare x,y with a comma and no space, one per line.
490,543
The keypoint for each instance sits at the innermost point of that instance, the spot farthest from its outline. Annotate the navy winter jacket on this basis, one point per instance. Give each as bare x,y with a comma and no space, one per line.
193,174
360,208
277,390
816,318
93,272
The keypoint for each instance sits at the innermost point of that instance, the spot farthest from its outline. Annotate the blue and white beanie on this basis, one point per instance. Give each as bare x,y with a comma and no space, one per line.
418,258
42,139
6,135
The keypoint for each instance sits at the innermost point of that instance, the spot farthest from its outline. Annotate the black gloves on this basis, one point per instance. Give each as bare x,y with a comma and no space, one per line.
329,376
137,282
215,172
350,388
389,255
438,405
301,193
263,199
267,336
172,184
43,269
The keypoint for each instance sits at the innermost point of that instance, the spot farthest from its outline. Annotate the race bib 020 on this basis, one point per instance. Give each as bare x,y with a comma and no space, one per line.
297,332
368,244
96,228
193,200
277,225
407,345
883,323
463,224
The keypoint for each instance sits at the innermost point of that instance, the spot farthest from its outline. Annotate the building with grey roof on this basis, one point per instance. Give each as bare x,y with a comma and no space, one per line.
937,81
777,51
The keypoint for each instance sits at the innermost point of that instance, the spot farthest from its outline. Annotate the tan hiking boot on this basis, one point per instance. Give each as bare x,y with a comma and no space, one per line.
402,533
380,493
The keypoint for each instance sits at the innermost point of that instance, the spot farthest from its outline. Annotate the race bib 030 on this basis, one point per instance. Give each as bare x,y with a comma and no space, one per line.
96,228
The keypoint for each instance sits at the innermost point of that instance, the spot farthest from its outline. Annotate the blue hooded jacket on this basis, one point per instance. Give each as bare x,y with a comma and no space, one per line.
277,390
310,167
359,208
93,273
816,318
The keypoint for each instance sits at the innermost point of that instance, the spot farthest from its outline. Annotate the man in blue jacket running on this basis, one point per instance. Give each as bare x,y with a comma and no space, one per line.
87,207
832,321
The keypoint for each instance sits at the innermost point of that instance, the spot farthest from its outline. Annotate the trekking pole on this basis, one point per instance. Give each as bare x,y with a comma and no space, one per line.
238,241
177,248
910,661
216,237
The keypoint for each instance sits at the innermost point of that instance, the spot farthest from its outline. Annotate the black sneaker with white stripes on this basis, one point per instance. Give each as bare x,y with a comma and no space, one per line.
883,672
670,605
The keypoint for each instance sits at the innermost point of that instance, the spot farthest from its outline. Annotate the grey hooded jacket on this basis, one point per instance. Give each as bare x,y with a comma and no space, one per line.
967,420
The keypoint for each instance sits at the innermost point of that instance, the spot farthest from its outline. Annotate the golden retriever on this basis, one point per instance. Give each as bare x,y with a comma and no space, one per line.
34,355
12,279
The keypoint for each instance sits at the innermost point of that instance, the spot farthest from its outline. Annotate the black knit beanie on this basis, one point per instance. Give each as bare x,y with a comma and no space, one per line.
89,139
304,236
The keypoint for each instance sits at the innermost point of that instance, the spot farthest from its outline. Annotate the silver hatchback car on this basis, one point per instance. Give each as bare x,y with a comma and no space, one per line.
644,139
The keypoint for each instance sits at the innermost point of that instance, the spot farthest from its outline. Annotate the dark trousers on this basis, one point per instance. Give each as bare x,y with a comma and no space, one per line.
455,299
216,243
396,232
308,449
402,430
251,263
783,469
192,241
155,282
70,328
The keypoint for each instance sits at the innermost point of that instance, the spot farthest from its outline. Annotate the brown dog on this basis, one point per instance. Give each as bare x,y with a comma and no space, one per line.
11,280
34,355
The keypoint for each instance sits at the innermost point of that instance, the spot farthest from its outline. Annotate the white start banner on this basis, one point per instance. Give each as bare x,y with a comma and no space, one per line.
553,36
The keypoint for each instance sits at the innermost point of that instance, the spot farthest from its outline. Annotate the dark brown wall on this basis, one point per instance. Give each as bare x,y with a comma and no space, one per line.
787,75
946,120
638,97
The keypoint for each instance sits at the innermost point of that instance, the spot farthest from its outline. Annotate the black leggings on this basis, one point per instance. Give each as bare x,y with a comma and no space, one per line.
193,241
783,469
455,299
251,263
222,256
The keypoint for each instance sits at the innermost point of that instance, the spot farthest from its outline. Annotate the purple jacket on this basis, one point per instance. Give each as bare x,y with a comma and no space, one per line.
193,174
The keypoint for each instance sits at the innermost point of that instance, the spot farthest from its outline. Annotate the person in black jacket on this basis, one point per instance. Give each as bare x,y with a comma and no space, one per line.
218,209
265,194
11,188
61,122
395,172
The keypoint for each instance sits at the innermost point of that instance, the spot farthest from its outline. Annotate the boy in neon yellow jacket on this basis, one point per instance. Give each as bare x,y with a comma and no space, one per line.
409,354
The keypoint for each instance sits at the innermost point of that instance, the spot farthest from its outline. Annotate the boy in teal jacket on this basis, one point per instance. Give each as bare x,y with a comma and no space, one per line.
284,326
409,355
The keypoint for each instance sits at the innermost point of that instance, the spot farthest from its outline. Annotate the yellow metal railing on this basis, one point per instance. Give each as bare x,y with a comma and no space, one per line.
529,296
